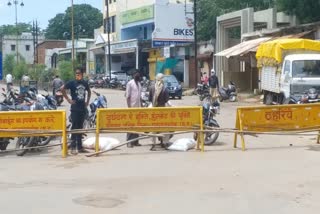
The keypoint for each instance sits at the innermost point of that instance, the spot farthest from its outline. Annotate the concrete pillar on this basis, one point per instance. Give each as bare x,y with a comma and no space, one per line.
137,57
186,74
247,22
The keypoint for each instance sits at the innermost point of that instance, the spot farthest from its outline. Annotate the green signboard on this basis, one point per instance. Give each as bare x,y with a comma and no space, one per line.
138,14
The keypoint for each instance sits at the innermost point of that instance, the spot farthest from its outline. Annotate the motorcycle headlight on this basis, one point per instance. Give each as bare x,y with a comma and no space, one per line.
304,98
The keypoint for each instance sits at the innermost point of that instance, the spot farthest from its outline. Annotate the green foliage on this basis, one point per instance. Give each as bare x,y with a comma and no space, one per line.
47,75
86,19
20,69
35,72
8,64
17,70
65,70
306,10
12,30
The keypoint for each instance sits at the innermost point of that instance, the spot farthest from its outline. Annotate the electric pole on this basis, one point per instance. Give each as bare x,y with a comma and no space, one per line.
195,40
108,31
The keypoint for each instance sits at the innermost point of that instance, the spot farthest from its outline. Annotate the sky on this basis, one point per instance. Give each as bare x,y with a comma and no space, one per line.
41,10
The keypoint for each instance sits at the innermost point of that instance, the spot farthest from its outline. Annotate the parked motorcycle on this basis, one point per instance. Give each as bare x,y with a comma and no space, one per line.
99,102
145,98
210,110
228,93
145,85
35,102
58,97
4,106
310,96
202,90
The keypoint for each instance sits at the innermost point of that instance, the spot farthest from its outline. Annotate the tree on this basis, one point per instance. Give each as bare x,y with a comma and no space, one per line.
306,11
86,19
47,75
12,29
9,64
65,70
35,72
20,69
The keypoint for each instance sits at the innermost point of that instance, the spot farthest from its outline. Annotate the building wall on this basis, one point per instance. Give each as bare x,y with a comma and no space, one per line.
48,45
138,32
119,6
26,39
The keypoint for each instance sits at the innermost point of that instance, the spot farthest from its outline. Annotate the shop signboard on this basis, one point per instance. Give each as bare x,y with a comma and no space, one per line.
173,26
139,14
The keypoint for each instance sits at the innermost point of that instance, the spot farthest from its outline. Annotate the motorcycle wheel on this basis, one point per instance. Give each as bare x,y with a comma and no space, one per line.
3,145
59,101
45,140
23,143
209,138
232,98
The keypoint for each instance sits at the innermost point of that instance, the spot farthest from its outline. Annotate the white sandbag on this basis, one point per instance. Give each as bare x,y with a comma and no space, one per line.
183,144
105,143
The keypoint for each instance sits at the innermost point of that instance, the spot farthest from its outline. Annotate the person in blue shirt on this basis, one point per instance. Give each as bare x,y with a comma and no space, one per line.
80,98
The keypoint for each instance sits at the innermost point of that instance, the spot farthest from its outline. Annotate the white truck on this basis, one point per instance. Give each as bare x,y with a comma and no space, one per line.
288,69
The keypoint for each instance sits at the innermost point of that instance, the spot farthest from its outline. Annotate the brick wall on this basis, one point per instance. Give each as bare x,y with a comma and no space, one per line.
48,45
192,74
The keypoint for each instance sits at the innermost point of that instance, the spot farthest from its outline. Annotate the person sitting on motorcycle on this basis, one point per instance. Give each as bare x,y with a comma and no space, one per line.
204,78
214,85
56,84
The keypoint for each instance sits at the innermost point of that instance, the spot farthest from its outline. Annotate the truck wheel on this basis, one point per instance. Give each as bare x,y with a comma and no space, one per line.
269,99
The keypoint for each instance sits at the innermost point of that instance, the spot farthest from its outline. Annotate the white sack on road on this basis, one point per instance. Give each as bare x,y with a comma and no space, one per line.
183,144
105,143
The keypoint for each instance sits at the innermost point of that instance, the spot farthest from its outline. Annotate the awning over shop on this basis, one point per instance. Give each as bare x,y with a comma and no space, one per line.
252,45
98,50
68,50
124,50
243,48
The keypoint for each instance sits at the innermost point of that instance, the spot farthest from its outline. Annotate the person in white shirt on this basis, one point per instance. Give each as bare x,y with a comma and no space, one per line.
133,95
9,80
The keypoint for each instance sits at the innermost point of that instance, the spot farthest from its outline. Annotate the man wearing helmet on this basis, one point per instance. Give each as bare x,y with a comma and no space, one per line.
214,85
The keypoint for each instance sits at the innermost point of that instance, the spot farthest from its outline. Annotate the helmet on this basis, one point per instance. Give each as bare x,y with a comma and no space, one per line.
159,77
213,71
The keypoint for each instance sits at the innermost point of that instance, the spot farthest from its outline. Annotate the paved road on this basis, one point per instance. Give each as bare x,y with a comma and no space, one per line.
271,177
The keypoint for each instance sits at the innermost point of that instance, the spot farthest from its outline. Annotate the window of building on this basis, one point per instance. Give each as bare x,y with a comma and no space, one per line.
27,47
110,1
112,24
145,33
242,66
13,47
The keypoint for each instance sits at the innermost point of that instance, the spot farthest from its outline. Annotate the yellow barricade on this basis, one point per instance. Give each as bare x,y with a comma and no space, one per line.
150,120
277,118
22,123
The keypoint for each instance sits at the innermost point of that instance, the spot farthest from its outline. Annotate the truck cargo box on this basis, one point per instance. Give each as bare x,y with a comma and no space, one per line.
270,79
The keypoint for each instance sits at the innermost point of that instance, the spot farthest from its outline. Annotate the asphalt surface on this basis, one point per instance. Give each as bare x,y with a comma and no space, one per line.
277,174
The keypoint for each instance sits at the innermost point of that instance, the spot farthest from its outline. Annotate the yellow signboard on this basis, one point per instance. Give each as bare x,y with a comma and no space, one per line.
33,120
277,118
149,119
